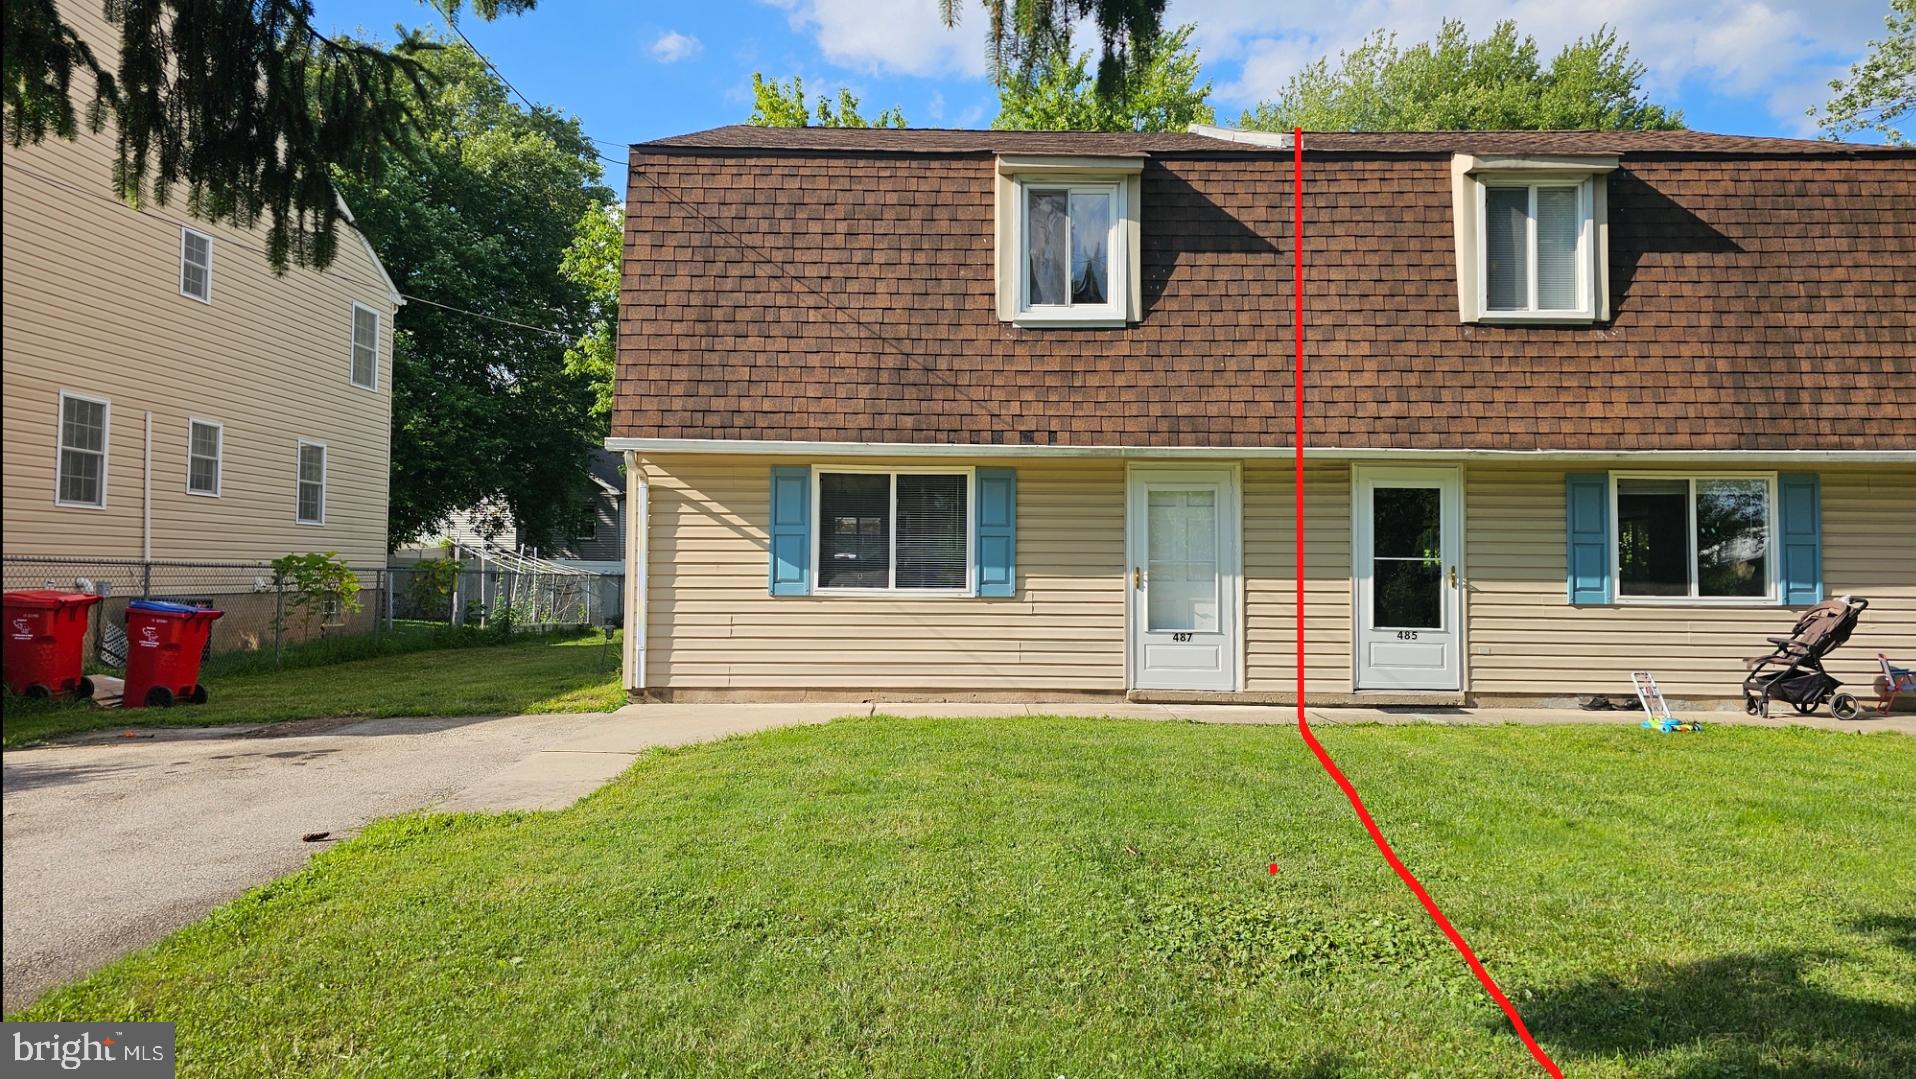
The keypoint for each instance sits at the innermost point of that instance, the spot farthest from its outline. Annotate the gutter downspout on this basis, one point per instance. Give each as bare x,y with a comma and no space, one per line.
146,493
638,497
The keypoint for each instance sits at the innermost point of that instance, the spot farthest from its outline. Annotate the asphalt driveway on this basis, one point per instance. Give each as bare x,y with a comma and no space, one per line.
112,843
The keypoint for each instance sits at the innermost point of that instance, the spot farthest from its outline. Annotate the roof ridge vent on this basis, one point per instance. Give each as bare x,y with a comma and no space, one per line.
1268,139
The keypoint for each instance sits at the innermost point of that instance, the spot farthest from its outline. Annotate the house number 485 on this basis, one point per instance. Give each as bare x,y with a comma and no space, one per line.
1406,634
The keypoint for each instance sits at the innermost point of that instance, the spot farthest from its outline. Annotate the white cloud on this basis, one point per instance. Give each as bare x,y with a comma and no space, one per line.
672,46
903,37
1779,51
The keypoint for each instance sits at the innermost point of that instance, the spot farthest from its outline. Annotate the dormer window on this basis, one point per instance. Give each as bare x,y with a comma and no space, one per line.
1067,241
1536,249
1068,236
1532,239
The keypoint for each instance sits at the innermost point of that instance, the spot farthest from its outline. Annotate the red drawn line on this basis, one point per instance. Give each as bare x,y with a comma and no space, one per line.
1303,724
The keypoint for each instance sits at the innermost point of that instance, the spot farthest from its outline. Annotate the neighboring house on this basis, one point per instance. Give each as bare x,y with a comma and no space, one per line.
598,546
966,413
167,395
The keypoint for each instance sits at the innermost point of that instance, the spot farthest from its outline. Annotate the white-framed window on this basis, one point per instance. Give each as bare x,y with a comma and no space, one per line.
1534,242
80,462
205,443
310,508
365,367
196,265
891,530
1694,537
1073,253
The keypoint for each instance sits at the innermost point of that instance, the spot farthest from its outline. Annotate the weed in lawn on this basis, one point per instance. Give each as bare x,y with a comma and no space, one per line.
1249,932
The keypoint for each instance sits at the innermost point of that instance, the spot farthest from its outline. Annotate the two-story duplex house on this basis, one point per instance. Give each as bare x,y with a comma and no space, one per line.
167,396
960,414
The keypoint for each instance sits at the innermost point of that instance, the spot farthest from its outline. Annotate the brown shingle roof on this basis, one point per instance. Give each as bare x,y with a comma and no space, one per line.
951,141
1761,303
931,140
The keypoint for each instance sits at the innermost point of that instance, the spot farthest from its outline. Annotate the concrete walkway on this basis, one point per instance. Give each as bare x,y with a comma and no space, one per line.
561,774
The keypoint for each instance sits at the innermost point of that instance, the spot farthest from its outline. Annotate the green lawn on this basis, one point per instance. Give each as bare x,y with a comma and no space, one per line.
528,674
1068,897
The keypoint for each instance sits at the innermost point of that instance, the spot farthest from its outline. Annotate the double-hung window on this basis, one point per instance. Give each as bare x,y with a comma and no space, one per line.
1695,537
204,441
893,531
311,492
196,265
365,371
81,479
1073,252
1535,242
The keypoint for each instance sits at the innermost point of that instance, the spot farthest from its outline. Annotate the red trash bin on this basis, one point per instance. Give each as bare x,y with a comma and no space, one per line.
163,646
46,642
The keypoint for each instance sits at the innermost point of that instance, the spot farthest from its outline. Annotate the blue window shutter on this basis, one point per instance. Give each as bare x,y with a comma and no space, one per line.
790,571
1801,515
1586,511
995,518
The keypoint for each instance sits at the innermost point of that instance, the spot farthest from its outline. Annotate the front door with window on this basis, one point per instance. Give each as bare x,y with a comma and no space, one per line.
1409,610
1182,537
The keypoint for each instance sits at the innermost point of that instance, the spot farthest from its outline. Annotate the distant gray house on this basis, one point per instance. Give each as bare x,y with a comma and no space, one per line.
598,546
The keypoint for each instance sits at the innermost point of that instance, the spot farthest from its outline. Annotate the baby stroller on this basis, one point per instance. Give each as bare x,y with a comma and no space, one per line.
1794,672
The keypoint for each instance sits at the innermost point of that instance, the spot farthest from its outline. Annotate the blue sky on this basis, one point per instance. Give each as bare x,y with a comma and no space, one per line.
634,71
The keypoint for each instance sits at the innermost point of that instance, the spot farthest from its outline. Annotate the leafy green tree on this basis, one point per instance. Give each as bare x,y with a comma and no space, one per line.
593,263
485,205
773,105
1023,34
1454,83
1881,89
245,105
1159,92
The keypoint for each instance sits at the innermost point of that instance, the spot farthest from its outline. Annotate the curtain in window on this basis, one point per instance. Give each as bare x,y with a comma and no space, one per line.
1045,225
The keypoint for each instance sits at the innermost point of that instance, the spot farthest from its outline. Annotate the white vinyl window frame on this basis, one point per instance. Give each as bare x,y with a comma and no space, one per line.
219,456
300,481
60,448
1772,561
354,345
1586,311
819,472
1117,256
187,235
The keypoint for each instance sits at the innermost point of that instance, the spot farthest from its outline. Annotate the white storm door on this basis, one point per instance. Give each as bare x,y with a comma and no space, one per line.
1182,532
1409,609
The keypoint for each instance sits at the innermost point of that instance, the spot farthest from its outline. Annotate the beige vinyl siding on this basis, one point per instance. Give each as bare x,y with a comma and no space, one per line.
93,305
1270,593
714,627
712,624
1525,639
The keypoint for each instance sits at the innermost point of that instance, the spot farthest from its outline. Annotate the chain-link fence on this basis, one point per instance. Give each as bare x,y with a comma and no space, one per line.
262,613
